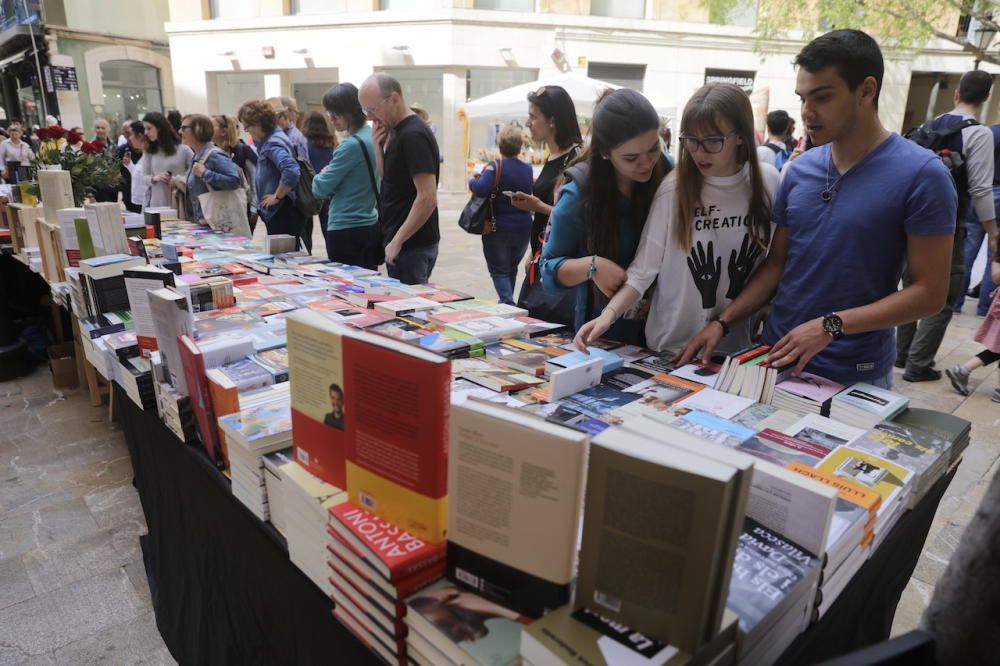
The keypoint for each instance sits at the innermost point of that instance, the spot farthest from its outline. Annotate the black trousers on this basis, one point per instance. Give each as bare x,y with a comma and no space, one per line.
356,246
286,220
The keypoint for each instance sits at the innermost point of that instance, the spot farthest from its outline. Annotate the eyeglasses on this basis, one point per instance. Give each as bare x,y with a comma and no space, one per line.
184,127
710,144
371,109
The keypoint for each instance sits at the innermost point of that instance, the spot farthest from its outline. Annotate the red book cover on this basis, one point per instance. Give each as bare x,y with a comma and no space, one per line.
393,552
193,363
390,608
397,400
356,627
809,448
342,553
398,628
367,300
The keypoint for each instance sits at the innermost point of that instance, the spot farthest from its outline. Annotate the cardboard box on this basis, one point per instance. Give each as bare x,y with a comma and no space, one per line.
62,363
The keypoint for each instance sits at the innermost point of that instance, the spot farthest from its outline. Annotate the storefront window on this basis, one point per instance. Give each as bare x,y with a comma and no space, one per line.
618,8
131,90
318,6
426,88
506,5
629,76
233,9
236,88
403,4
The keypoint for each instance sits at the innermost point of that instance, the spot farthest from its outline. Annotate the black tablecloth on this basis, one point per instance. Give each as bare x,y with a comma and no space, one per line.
224,591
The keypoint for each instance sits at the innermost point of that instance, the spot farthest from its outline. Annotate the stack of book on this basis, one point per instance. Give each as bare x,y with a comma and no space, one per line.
850,536
448,625
806,394
307,501
893,482
104,224
863,405
373,567
175,410
946,426
670,593
772,591
520,549
139,281
567,636
926,455
746,373
136,378
209,293
251,434
77,294
273,482
103,284
66,219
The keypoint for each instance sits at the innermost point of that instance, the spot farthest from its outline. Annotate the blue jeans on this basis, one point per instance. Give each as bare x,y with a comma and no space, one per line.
414,266
882,382
503,251
973,241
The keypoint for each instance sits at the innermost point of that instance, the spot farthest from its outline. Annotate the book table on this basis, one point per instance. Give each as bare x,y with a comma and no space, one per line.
225,592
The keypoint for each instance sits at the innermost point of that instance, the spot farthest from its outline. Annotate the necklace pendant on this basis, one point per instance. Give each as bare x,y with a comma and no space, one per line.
826,195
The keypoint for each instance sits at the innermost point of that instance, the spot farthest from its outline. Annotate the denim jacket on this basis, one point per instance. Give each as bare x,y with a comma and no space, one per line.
276,165
220,173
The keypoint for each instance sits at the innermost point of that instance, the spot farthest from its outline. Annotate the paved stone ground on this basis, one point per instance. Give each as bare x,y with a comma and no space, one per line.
72,585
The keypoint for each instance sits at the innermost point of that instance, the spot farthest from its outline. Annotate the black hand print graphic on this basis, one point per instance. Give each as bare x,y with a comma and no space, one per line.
740,266
706,269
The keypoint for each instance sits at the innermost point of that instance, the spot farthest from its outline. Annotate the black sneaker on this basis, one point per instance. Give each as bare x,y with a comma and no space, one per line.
900,362
922,375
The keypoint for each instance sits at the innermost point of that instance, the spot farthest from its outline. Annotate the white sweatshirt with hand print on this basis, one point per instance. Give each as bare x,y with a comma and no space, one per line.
696,283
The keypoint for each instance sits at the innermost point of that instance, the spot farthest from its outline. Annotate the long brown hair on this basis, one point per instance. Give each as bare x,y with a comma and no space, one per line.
711,107
620,115
316,129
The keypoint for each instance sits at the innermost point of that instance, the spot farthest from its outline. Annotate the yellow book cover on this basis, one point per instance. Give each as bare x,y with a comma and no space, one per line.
869,471
847,489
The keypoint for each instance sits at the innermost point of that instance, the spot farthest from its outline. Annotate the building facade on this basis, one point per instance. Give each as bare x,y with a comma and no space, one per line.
118,53
447,52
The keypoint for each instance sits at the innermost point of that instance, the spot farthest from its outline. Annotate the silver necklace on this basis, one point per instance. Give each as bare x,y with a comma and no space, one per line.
827,194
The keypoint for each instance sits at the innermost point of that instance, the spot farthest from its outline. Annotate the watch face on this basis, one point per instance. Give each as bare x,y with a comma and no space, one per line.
833,324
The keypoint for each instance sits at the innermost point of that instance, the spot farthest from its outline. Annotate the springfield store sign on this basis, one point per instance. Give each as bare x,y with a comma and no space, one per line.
739,77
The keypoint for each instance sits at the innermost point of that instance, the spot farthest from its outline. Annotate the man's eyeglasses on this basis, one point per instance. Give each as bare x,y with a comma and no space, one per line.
371,109
710,144
184,127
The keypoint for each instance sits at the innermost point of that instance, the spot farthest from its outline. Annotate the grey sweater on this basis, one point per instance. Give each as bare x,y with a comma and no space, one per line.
177,164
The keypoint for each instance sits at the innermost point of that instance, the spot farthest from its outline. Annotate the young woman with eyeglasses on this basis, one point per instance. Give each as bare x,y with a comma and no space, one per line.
708,227
599,214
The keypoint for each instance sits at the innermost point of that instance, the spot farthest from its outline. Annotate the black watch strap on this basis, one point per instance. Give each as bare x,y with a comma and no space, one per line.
722,322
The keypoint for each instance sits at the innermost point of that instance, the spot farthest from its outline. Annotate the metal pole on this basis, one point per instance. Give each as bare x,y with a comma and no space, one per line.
38,63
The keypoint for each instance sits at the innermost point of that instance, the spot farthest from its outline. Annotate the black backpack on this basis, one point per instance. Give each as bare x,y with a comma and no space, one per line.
946,143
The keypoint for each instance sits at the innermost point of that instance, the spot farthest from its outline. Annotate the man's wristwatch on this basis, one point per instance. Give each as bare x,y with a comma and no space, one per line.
833,325
722,322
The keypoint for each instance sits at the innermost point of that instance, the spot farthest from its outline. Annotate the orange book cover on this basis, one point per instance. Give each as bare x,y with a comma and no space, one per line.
226,400
397,399
848,490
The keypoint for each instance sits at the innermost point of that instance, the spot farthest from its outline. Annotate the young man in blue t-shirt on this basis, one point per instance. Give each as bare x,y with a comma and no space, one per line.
848,214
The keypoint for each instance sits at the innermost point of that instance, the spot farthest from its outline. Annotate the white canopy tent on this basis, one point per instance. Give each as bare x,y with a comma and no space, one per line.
513,102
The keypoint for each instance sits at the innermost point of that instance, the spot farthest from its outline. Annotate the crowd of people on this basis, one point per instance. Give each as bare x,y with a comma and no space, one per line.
801,244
